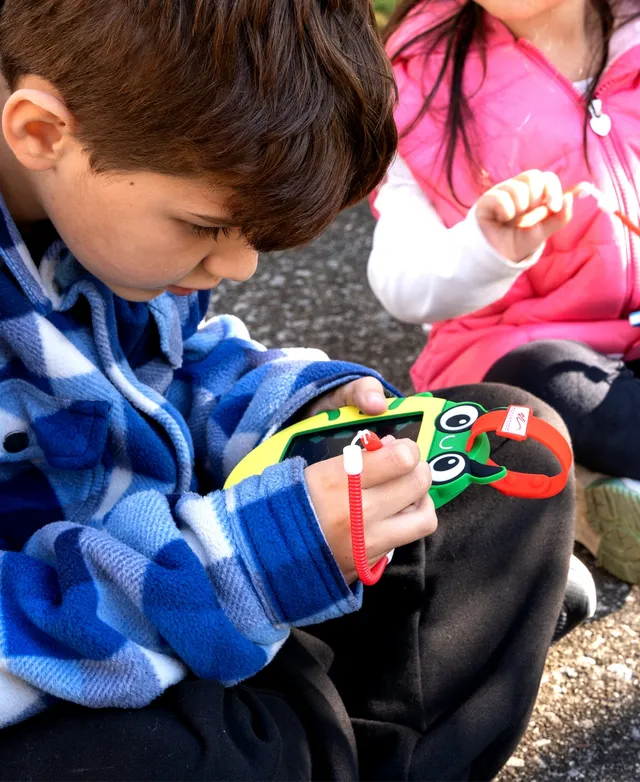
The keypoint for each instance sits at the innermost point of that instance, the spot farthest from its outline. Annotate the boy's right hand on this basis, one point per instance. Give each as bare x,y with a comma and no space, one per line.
519,215
395,500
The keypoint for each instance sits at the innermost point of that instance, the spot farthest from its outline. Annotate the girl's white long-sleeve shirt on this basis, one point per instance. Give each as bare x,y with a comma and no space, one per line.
422,271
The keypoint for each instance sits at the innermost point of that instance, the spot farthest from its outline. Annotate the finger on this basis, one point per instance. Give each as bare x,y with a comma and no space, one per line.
496,206
555,202
553,192
332,400
535,181
535,194
367,394
542,223
520,193
545,189
390,462
401,529
534,217
390,498
557,221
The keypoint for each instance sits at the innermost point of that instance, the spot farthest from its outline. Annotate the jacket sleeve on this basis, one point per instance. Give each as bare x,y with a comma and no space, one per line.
234,392
210,584
113,614
423,272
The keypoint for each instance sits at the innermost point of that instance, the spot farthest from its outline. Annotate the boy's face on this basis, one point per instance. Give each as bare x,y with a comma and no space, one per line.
144,233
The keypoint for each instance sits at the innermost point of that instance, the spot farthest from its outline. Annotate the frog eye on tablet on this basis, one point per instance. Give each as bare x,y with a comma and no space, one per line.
458,419
447,467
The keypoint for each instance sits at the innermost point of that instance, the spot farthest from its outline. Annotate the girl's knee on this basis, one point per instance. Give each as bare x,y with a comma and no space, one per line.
537,366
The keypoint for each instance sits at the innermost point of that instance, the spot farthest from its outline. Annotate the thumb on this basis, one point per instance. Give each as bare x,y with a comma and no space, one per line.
366,393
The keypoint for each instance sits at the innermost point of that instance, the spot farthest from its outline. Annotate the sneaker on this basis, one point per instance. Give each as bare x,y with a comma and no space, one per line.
608,522
580,599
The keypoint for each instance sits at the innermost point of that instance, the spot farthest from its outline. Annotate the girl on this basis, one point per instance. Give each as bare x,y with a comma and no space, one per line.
518,293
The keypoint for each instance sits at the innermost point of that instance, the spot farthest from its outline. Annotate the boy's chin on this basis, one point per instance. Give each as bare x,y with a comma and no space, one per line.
133,294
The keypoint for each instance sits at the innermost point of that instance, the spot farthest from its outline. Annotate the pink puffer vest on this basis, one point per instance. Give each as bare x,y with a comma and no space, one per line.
529,116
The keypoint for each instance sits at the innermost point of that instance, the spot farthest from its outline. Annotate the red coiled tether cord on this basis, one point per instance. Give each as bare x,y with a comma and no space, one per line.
352,455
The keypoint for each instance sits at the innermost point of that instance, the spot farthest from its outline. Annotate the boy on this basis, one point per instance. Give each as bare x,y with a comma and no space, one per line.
150,149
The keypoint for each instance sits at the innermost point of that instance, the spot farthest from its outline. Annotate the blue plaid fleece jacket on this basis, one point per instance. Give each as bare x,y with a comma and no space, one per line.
123,564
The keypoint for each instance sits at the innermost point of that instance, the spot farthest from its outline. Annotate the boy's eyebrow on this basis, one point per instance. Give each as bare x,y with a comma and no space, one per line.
214,220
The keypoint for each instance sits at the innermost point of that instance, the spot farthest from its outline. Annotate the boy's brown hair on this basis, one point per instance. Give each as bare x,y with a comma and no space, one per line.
289,102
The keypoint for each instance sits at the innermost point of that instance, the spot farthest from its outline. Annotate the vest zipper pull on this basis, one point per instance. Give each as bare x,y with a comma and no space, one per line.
600,122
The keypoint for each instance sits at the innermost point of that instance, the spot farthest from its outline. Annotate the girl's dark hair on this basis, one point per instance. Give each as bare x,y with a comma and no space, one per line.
455,34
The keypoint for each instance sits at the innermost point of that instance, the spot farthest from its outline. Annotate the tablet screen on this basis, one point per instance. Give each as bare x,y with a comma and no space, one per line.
318,446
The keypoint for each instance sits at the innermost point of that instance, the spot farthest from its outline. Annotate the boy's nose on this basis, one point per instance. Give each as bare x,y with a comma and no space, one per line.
238,266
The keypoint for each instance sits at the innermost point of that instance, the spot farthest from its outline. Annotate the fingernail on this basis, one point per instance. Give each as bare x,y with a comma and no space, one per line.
388,439
375,399
404,444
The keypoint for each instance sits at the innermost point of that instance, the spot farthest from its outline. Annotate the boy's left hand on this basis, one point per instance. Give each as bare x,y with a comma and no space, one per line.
366,393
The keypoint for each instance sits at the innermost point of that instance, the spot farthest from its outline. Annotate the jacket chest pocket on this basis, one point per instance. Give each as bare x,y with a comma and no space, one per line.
51,459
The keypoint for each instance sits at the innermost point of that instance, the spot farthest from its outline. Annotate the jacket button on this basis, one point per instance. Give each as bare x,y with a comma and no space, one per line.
16,442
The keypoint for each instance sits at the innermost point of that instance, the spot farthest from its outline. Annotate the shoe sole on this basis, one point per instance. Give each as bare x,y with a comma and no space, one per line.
614,512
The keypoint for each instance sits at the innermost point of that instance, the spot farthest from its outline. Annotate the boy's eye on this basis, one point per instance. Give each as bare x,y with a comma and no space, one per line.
209,232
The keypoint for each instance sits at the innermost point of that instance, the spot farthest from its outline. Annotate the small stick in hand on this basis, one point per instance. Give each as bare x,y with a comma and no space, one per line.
582,190
585,189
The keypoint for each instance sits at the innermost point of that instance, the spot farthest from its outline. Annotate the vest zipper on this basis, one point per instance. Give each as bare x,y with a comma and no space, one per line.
625,191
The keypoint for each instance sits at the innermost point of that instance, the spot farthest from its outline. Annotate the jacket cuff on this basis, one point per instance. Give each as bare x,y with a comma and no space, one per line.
295,574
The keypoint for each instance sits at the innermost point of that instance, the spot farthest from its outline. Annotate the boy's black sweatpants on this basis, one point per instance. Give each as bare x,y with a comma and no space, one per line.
597,396
434,679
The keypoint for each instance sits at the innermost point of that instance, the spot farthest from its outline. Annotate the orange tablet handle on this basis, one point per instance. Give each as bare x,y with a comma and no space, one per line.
527,485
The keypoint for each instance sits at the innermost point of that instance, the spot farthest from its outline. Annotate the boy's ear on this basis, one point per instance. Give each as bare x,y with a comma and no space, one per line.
36,124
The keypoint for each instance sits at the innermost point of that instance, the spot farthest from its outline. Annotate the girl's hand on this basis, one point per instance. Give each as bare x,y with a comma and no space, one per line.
397,507
519,215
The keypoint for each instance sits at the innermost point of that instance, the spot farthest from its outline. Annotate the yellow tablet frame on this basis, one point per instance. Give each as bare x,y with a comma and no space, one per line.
272,450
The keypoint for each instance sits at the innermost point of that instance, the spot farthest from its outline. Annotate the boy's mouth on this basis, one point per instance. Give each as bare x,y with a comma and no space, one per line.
177,290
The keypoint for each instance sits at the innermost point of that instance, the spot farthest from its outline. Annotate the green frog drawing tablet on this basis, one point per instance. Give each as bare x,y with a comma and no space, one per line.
452,438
